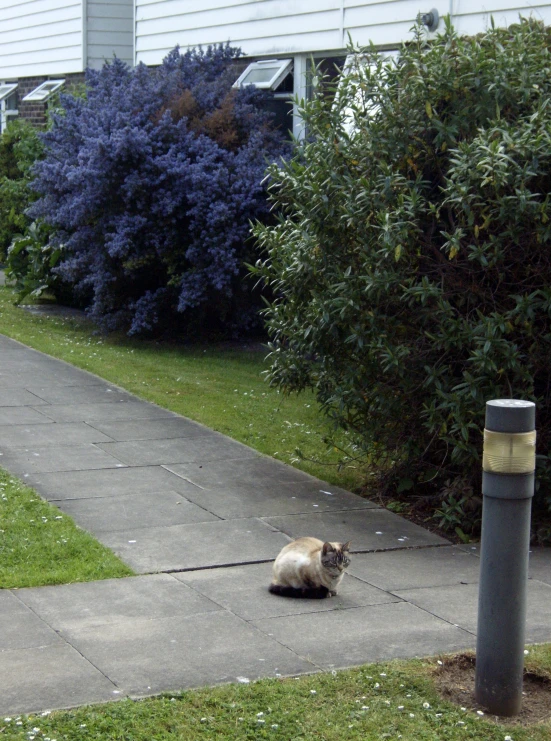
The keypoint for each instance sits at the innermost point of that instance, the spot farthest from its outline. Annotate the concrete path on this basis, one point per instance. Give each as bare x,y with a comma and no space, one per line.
200,517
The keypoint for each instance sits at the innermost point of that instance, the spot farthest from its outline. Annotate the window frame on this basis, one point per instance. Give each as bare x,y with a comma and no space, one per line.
36,96
284,68
6,91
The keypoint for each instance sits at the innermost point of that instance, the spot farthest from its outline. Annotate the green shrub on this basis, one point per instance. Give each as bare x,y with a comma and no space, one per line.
412,260
20,147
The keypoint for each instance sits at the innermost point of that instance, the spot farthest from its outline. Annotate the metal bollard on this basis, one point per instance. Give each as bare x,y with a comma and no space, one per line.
508,487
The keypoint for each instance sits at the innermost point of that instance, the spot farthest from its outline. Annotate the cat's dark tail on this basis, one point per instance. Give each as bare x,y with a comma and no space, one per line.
320,592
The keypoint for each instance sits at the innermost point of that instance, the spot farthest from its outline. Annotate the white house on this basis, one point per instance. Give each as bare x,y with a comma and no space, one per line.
298,30
49,40
52,42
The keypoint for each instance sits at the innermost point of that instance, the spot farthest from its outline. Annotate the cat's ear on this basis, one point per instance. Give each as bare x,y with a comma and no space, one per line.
346,546
327,548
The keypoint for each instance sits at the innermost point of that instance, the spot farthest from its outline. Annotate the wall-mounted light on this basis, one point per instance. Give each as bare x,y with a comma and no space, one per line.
430,19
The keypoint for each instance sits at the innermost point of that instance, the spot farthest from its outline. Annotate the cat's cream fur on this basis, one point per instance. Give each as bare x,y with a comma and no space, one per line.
308,567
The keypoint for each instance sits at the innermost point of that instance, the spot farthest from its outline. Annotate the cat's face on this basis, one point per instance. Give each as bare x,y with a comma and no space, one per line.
335,557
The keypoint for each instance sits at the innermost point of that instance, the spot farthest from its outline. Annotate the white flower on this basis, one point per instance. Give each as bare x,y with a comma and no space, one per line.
426,705
508,738
313,692
275,725
479,712
259,715
412,715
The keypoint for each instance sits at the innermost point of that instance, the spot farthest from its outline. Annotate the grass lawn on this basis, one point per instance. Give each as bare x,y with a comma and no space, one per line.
395,700
40,545
220,386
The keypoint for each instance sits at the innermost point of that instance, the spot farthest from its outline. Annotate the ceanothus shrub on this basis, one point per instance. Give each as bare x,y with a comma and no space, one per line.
150,183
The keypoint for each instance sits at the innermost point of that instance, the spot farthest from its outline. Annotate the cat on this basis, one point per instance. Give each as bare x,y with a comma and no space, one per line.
310,568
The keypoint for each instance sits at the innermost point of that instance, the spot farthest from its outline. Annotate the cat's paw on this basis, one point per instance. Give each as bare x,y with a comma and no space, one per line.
332,593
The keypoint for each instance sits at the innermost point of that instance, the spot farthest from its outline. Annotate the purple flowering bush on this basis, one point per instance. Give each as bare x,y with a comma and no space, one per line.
150,183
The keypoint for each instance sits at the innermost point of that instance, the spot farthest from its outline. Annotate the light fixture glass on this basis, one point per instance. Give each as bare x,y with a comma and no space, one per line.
506,452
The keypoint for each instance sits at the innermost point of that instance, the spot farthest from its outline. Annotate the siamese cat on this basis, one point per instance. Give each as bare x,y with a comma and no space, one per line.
310,568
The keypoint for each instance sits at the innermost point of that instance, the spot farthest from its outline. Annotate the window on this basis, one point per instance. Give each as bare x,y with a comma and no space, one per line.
266,75
357,72
43,92
8,103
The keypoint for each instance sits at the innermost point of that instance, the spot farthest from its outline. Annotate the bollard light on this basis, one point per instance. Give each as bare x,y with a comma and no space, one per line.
509,452
508,466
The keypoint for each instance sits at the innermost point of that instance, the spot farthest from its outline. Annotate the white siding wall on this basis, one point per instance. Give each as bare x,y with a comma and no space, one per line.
290,27
110,30
40,37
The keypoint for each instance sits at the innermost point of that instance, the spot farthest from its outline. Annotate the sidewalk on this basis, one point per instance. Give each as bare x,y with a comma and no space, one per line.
200,517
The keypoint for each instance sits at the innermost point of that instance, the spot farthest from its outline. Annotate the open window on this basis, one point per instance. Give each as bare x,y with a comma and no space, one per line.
8,103
43,92
267,74
357,72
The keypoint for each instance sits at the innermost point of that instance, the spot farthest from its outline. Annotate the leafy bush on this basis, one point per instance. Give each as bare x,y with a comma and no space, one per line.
150,183
20,147
32,257
412,260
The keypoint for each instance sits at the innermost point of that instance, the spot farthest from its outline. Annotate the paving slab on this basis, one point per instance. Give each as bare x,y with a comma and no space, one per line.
18,398
12,415
26,373
134,511
243,590
368,529
33,680
40,459
22,378
77,607
253,472
17,436
6,343
108,482
151,429
342,638
269,497
96,393
417,567
209,446
149,656
540,564
20,627
458,605
197,546
105,411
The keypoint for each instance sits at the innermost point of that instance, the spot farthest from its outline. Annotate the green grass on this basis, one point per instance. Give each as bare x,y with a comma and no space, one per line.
39,545
379,701
221,387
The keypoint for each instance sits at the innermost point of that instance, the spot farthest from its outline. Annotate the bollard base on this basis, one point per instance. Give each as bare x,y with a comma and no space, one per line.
502,700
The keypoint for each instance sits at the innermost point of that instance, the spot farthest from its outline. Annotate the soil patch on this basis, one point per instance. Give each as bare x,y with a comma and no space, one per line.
455,682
